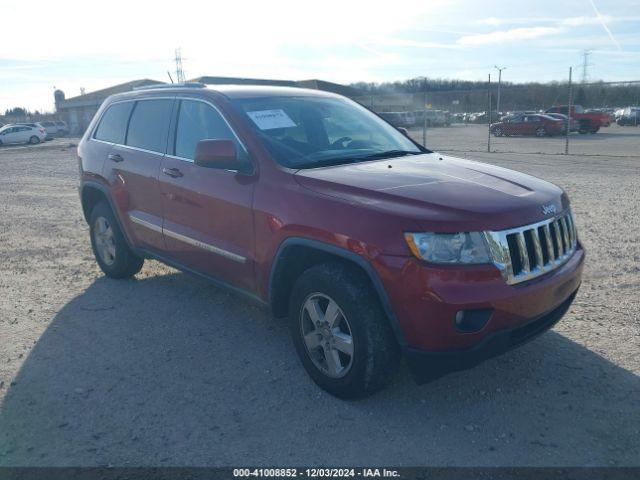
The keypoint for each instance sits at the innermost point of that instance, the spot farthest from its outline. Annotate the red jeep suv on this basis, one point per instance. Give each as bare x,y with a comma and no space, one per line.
307,202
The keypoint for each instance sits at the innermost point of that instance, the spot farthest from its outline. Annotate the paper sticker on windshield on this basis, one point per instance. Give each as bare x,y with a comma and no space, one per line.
268,119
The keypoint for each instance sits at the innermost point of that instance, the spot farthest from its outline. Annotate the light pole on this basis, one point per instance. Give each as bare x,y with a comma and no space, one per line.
499,83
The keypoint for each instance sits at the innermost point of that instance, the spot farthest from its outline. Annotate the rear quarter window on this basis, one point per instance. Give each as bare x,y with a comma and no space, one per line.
149,125
113,124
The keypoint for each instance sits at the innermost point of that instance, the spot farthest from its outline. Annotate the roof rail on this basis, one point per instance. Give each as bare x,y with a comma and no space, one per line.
171,85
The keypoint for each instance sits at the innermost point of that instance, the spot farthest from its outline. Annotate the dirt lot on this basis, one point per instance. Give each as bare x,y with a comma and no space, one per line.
165,369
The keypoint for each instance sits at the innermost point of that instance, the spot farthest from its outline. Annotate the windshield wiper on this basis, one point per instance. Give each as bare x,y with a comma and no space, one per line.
328,162
388,154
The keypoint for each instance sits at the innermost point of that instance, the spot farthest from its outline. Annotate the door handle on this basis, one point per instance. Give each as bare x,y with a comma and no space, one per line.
172,172
114,157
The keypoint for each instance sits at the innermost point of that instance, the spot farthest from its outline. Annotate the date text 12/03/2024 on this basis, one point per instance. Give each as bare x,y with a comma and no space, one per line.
316,472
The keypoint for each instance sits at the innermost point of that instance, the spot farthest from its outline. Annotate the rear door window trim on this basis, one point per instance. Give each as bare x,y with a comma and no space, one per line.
169,149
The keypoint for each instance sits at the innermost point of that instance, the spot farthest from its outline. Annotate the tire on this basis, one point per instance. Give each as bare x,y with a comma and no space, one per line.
34,140
361,327
594,130
110,248
541,132
497,132
584,127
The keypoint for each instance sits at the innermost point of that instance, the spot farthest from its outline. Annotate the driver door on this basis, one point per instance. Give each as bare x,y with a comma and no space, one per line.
208,217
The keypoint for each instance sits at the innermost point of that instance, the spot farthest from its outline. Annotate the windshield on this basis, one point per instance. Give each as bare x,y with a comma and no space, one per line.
308,132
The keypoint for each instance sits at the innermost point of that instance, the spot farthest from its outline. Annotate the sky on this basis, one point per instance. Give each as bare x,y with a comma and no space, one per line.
70,44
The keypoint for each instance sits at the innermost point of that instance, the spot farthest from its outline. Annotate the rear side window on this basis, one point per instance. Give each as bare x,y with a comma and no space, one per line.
113,125
198,121
149,125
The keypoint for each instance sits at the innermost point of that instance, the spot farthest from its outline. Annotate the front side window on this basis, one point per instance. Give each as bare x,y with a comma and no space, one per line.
309,131
199,121
149,125
113,125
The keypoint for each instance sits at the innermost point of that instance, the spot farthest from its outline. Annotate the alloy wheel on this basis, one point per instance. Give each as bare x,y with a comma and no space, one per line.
327,335
105,241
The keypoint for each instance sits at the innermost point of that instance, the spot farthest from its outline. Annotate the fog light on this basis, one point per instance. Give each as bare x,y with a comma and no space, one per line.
468,321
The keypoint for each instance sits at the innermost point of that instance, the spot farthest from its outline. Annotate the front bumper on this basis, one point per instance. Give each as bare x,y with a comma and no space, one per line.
425,300
427,366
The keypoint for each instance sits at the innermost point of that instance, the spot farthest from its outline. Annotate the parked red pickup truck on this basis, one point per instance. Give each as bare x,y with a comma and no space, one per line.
304,201
588,122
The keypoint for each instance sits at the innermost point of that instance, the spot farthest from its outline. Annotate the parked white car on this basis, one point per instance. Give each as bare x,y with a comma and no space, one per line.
63,128
51,128
22,134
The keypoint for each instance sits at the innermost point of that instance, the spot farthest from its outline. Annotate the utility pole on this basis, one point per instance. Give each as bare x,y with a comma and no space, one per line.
499,83
585,65
566,144
424,112
179,71
489,129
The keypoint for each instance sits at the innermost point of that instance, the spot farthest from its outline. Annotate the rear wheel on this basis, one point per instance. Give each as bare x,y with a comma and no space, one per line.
584,127
497,132
594,130
541,132
110,248
34,140
340,331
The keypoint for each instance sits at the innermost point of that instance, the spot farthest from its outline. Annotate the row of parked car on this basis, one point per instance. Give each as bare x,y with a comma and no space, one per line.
417,118
629,116
33,133
554,121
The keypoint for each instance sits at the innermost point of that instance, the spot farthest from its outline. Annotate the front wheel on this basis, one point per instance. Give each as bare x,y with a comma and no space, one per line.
541,132
110,248
340,331
497,132
595,130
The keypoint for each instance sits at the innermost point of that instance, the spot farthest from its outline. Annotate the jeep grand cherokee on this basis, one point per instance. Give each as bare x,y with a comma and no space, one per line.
307,202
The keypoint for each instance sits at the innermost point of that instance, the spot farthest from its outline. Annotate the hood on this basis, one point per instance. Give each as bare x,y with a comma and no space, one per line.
438,192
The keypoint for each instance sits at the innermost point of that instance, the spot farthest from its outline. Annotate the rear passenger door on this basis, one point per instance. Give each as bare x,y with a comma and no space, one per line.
133,165
208,219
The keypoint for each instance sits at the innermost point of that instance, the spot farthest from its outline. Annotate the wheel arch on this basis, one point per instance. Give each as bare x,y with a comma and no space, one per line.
297,254
92,193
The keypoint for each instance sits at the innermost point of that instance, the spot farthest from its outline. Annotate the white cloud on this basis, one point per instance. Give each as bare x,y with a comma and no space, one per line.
579,21
402,42
584,21
494,21
507,36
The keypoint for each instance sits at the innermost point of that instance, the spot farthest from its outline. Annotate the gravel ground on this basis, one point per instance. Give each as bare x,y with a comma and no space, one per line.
165,369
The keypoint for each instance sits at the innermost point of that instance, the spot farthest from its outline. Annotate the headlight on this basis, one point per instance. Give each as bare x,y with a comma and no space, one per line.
464,247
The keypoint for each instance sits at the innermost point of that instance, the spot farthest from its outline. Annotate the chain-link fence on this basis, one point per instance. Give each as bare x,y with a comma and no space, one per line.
550,118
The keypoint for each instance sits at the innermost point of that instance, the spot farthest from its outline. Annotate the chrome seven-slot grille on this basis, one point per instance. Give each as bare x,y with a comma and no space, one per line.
527,252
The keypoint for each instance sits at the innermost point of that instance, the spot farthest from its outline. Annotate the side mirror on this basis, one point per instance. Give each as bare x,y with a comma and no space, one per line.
221,154
403,131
